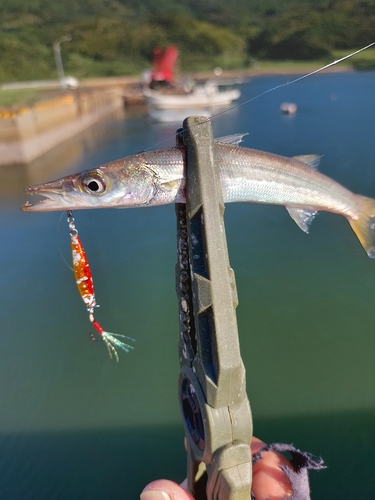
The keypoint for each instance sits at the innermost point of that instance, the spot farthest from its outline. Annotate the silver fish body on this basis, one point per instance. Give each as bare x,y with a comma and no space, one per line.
247,175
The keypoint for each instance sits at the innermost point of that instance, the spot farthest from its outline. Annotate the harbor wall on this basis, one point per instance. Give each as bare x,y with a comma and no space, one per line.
29,131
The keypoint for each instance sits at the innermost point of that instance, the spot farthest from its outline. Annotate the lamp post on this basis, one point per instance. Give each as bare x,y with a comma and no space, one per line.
58,60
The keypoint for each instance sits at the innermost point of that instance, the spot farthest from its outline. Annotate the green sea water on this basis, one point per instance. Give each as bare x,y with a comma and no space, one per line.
76,425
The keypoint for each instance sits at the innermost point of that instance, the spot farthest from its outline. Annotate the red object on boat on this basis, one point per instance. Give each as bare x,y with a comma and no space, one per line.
163,64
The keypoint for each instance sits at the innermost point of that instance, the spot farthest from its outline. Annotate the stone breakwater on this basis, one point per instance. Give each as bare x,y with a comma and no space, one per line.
29,131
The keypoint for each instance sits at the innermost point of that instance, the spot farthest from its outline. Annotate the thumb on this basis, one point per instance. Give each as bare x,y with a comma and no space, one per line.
163,489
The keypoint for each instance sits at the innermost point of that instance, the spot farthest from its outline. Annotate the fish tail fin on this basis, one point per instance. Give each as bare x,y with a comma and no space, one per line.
364,226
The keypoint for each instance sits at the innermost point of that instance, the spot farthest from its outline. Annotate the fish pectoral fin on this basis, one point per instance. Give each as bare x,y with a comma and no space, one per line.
303,217
235,139
171,185
310,160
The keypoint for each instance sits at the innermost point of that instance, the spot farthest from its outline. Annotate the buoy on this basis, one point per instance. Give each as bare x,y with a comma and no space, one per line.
288,108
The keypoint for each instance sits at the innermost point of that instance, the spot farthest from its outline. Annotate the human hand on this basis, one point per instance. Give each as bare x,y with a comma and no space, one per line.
269,481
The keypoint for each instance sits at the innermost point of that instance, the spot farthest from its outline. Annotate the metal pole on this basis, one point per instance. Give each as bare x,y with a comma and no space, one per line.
58,60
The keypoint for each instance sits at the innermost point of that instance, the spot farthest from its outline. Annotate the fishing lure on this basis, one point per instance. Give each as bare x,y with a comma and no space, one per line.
85,285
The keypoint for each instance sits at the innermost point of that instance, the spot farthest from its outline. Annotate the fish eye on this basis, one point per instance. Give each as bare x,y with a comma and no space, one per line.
93,183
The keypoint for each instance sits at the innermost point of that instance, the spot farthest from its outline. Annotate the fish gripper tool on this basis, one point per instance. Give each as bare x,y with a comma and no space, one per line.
212,383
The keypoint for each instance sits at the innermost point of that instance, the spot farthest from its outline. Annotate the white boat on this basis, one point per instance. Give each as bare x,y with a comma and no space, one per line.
202,96
176,115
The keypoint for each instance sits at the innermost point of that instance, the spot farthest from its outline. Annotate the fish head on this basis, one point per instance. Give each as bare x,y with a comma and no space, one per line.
120,184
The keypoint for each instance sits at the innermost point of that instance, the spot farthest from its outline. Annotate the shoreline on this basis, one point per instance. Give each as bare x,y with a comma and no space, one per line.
285,69
130,86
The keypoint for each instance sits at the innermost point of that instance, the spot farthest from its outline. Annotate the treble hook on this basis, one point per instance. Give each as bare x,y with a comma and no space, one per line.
93,338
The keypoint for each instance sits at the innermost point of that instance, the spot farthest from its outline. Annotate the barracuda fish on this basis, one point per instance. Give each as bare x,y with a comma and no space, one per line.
157,178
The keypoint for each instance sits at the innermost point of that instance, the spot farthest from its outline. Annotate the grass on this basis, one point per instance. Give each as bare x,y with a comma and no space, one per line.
367,57
23,97
368,54
362,61
293,66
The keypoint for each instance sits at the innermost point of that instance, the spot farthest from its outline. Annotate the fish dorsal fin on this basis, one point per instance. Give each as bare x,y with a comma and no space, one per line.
310,160
303,217
231,139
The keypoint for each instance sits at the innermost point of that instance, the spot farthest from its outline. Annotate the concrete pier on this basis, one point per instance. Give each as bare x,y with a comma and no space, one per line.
29,131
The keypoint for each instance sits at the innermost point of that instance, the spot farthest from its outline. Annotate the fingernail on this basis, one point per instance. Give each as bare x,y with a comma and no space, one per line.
154,495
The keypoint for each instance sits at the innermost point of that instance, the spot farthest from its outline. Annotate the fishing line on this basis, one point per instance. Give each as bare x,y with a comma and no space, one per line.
286,84
59,241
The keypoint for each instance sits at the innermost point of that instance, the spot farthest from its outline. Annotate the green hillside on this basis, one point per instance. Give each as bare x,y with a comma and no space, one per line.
116,37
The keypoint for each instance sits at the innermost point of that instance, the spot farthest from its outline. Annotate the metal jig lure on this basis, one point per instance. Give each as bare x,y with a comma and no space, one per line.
85,285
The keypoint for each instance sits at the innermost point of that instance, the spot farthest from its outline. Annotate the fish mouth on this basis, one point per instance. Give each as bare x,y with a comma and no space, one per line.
55,197
48,204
